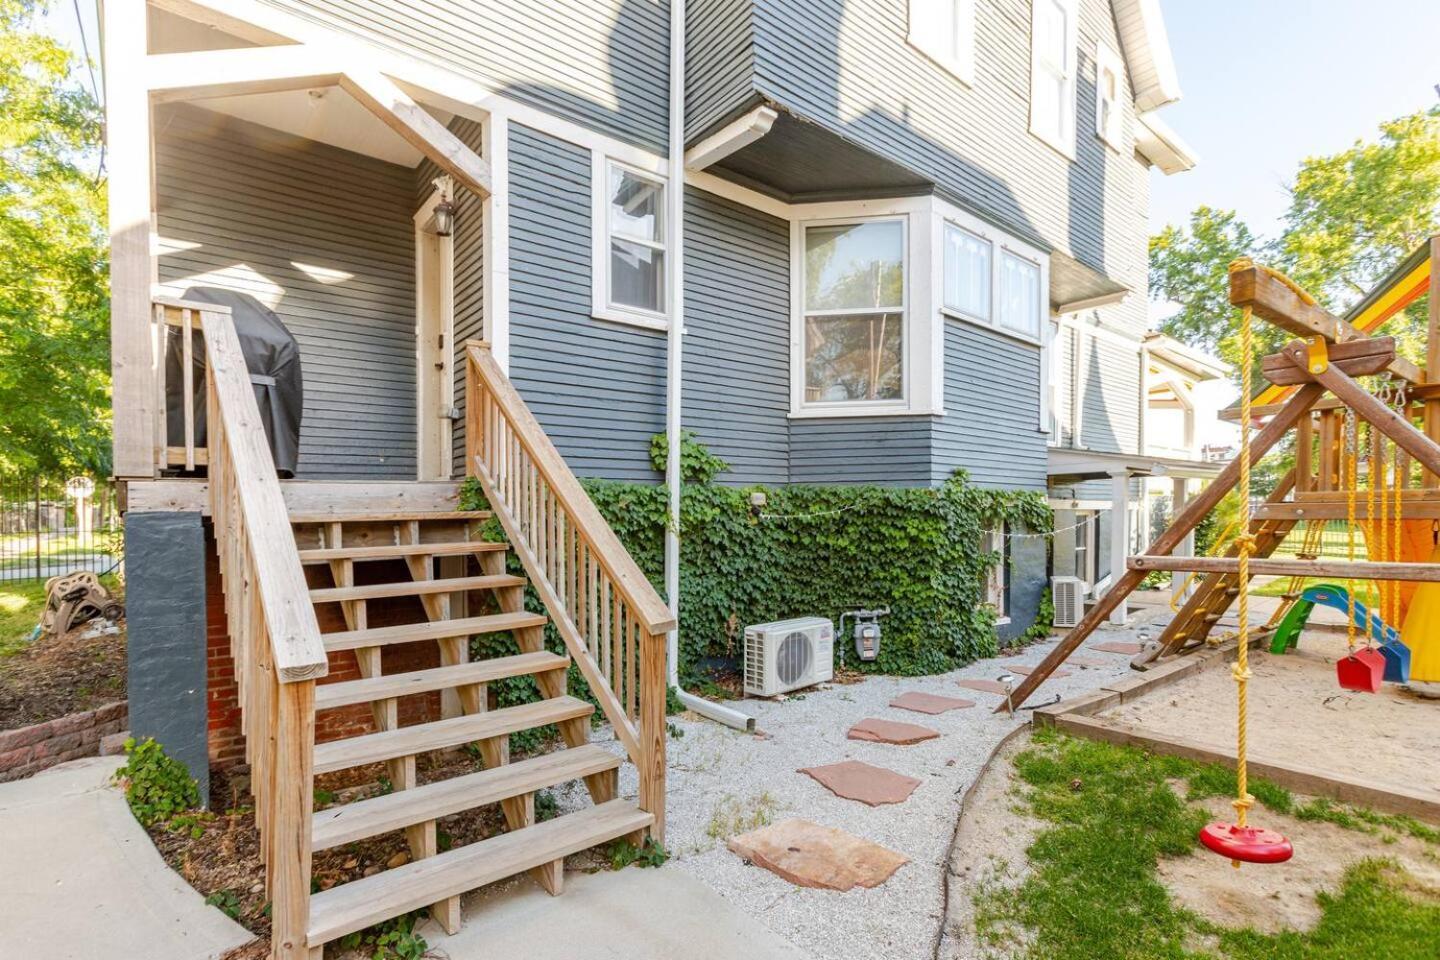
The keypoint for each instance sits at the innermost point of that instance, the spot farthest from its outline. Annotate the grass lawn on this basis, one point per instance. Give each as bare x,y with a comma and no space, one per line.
21,604
1109,813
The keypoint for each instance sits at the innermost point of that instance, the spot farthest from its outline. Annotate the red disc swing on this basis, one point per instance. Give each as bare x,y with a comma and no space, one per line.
1239,841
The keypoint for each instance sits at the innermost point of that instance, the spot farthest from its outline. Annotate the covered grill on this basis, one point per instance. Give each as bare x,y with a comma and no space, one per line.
271,355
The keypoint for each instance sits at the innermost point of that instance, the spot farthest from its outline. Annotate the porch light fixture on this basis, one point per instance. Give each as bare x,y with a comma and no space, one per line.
444,218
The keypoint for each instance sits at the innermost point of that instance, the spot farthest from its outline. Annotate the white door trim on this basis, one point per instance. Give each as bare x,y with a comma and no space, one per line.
434,339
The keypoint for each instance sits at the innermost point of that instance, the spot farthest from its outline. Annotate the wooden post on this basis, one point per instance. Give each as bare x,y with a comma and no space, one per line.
1432,356
652,730
1298,404
289,862
1180,491
1119,538
127,108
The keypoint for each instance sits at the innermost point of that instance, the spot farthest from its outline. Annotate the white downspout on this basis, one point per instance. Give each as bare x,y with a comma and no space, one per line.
675,219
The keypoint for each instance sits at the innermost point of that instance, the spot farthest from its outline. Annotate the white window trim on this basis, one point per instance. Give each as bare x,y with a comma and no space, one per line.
923,377
995,541
1066,145
1000,241
600,307
1107,58
962,67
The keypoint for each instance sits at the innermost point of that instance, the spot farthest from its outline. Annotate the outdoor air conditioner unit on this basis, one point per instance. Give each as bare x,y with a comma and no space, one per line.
788,655
1068,595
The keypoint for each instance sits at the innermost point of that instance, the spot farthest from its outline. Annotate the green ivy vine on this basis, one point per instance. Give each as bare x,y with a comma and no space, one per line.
816,550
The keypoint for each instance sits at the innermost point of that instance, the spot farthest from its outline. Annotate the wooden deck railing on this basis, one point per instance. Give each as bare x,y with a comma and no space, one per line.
612,620
274,637
173,328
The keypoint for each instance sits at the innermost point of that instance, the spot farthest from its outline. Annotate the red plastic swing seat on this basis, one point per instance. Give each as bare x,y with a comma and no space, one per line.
1362,671
1248,844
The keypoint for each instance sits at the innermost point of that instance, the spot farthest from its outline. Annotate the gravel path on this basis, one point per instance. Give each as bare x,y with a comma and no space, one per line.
723,782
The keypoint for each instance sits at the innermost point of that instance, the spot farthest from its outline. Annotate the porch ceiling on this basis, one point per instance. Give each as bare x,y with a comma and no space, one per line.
800,162
1066,465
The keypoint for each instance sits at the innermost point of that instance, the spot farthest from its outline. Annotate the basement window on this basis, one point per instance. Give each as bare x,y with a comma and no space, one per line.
630,246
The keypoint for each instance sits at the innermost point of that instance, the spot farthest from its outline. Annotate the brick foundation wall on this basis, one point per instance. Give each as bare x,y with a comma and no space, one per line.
227,743
31,749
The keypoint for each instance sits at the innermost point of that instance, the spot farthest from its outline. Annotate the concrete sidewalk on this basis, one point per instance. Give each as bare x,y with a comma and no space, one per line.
80,879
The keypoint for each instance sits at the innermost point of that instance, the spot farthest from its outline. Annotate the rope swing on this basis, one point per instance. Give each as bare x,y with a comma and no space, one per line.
1239,841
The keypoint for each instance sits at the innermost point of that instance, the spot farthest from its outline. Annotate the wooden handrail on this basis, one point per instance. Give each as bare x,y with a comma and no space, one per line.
612,621
244,454
632,582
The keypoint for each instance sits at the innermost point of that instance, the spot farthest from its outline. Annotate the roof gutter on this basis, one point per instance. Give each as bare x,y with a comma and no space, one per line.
1147,52
1162,146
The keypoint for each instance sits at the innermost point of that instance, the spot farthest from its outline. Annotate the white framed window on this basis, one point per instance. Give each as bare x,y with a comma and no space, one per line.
853,313
1052,73
997,575
944,30
629,245
992,281
1109,83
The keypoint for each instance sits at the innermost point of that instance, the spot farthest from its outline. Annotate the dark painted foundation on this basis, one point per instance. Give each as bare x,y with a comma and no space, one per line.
165,611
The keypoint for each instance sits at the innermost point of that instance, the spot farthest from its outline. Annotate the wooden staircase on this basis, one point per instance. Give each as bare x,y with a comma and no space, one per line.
411,550
611,621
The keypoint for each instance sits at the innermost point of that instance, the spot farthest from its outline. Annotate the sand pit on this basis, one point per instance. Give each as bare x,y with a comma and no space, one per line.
1300,717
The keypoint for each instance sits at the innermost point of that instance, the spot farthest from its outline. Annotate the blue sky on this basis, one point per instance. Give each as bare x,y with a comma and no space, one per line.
1268,83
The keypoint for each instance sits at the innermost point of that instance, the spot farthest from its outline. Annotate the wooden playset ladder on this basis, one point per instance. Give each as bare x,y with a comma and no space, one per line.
1354,353
611,624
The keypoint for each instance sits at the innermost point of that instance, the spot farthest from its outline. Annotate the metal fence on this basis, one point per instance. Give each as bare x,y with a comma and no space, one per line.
50,526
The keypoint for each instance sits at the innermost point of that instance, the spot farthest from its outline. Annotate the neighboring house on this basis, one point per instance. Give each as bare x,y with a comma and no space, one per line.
914,241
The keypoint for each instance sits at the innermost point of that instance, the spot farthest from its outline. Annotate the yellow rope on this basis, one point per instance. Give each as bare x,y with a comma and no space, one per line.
1245,546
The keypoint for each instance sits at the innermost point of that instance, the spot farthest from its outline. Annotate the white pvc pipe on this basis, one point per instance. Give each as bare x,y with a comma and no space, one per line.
675,219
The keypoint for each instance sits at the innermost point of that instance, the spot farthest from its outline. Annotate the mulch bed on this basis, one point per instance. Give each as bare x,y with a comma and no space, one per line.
57,676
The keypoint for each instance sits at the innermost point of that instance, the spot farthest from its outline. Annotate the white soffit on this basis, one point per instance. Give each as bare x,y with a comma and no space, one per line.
1148,59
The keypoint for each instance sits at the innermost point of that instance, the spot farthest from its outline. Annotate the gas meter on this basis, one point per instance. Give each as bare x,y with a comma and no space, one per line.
866,631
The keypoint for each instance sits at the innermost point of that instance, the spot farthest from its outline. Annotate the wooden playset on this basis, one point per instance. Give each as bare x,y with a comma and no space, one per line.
1363,452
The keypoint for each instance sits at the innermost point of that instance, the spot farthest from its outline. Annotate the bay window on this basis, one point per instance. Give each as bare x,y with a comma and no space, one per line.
853,310
1019,295
990,284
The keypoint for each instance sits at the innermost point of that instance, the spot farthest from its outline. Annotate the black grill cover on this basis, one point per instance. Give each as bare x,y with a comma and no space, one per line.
273,359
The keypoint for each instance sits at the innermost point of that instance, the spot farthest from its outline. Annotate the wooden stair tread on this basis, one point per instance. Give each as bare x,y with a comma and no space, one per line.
353,906
430,630
367,690
393,811
440,734
387,516
390,551
406,588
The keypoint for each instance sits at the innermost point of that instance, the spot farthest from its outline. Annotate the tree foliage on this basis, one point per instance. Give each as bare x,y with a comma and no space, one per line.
1353,216
54,303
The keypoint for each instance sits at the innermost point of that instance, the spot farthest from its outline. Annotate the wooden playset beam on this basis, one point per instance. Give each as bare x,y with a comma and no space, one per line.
1357,358
1188,518
1335,569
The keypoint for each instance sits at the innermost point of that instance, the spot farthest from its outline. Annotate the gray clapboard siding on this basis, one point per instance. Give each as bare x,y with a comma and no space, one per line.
737,336
719,61
325,238
1112,397
469,271
597,388
603,63
992,404
890,451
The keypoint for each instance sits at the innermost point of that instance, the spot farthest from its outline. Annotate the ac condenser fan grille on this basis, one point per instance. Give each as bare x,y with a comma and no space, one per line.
793,659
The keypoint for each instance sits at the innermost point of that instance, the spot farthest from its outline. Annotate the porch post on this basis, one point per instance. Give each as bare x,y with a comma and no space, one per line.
1181,493
127,141
1119,538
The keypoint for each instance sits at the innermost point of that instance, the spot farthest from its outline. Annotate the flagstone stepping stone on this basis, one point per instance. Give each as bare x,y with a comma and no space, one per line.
890,731
1088,662
986,686
1118,646
929,702
809,855
854,780
1025,671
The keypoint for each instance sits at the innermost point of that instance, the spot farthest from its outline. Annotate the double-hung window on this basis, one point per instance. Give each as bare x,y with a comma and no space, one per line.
1019,295
944,30
1052,73
853,313
1109,80
997,575
630,245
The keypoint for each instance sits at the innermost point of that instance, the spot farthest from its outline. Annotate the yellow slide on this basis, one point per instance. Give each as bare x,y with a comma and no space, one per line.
1421,632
